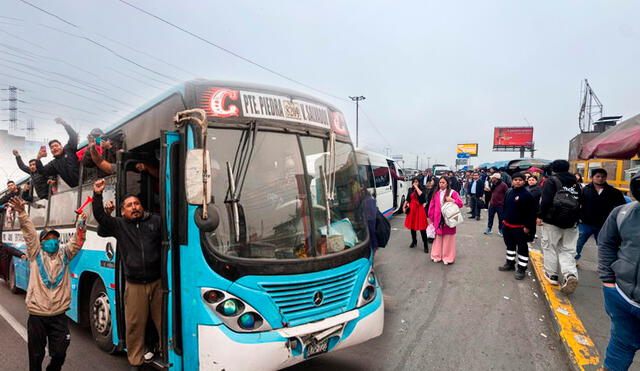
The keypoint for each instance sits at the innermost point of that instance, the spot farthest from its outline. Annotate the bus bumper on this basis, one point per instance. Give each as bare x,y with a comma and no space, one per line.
222,349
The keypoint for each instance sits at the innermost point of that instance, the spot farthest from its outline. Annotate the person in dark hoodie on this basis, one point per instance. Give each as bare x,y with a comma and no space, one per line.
598,199
559,211
519,220
618,267
38,180
65,161
138,235
535,189
498,191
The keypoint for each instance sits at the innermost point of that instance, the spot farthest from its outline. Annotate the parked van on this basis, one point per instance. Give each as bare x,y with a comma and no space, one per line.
376,170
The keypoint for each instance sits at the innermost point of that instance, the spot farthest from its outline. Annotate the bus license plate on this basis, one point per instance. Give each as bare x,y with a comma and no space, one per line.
318,347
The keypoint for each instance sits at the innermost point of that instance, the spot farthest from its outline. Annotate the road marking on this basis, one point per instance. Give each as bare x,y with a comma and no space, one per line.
580,348
13,323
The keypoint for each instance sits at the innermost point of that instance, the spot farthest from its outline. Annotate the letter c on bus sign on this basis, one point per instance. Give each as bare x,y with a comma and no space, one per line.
218,100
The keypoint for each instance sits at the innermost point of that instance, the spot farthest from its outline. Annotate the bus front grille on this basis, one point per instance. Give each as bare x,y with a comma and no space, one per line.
313,300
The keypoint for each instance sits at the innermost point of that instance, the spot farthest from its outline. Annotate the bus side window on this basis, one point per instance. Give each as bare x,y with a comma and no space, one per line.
109,194
38,212
381,175
63,208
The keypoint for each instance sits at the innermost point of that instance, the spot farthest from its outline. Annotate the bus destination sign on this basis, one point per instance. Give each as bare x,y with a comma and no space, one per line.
223,102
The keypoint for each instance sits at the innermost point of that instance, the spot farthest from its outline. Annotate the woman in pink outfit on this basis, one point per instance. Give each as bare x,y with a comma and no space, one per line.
444,247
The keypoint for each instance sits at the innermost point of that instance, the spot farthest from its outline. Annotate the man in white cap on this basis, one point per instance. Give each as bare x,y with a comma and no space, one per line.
496,204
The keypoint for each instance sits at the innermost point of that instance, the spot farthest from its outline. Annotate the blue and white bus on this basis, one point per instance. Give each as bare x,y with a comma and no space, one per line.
265,255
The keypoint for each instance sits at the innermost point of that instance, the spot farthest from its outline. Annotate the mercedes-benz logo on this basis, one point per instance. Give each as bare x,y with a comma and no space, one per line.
318,298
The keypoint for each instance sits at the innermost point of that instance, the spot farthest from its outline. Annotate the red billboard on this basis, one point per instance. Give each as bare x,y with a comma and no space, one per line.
512,137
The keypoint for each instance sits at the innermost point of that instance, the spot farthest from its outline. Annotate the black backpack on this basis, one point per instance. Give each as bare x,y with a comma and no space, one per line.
383,229
565,207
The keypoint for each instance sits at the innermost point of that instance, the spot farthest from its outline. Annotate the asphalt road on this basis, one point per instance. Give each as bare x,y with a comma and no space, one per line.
466,316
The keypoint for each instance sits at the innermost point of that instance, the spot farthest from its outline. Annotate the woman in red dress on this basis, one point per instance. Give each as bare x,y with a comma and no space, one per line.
416,215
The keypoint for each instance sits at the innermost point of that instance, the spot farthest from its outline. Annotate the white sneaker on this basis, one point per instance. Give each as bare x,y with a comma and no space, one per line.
569,285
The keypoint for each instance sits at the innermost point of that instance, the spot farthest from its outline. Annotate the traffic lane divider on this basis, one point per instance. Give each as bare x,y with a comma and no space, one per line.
580,349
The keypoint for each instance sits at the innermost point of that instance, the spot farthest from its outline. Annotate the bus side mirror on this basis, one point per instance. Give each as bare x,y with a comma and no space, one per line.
198,177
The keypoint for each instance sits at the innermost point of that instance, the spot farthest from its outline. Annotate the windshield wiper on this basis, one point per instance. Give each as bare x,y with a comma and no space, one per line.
237,174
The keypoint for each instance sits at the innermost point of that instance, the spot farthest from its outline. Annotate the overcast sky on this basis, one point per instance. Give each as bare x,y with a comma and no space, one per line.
434,73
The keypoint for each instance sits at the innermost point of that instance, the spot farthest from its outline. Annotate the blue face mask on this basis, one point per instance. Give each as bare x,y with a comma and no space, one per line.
51,246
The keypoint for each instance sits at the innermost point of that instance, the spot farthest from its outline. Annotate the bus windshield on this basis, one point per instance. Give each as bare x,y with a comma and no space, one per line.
279,208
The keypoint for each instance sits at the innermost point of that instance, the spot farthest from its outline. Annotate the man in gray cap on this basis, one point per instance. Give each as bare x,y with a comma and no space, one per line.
49,292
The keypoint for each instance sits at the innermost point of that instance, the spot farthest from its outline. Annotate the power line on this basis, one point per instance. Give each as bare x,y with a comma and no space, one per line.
375,128
270,70
51,14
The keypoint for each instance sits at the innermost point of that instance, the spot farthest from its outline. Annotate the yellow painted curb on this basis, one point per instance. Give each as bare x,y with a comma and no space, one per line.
580,348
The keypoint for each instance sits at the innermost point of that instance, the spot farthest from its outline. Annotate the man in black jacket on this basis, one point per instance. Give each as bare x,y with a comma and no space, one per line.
139,237
618,267
519,222
598,199
475,191
38,181
65,161
559,211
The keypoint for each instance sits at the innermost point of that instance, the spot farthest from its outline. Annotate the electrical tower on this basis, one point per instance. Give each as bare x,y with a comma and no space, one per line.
13,107
591,108
30,128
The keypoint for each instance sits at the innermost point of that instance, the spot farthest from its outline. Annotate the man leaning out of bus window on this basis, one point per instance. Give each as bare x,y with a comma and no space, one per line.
65,161
49,292
138,235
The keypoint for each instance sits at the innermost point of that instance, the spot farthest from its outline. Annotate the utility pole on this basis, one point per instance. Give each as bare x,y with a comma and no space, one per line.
357,100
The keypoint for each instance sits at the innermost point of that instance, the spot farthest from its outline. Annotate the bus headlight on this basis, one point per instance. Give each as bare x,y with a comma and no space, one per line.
368,291
234,312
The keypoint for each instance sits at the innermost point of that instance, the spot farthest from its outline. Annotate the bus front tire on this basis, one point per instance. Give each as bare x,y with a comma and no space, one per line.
100,317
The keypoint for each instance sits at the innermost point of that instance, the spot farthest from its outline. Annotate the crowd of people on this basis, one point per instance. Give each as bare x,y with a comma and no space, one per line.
560,209
137,233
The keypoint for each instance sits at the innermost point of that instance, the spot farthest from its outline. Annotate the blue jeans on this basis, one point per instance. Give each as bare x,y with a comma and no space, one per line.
492,213
625,330
586,231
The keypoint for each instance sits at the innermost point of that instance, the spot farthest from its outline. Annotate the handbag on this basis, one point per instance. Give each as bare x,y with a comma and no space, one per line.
431,231
408,210
451,214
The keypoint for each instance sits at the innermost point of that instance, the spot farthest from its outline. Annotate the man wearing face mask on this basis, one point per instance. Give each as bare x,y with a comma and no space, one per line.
139,237
49,292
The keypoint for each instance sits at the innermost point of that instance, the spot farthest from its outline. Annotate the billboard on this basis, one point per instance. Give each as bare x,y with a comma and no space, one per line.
469,148
512,137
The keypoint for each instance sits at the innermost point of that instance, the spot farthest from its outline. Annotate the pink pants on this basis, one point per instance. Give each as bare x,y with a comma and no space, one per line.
444,248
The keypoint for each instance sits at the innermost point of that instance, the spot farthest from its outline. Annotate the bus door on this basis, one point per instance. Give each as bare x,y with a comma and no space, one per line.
151,188
173,211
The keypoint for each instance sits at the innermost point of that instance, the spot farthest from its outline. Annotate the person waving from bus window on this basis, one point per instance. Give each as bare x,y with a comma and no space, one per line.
49,292
139,236
99,153
39,181
65,161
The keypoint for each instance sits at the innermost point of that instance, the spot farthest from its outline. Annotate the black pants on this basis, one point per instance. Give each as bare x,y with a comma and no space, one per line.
517,248
475,206
423,234
55,331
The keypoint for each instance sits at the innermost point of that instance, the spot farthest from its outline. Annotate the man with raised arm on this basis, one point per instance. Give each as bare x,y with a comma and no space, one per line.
139,237
65,161
38,180
49,292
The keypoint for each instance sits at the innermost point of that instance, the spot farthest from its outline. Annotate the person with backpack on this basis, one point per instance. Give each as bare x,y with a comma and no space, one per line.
444,246
598,199
618,267
559,212
519,220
